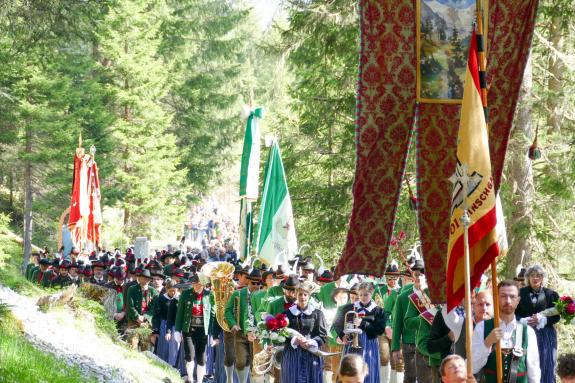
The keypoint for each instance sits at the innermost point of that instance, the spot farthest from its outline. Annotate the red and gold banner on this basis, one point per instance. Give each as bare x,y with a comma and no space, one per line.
85,216
473,190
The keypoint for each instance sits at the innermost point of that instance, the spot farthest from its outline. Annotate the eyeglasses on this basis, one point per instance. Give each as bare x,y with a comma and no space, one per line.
254,283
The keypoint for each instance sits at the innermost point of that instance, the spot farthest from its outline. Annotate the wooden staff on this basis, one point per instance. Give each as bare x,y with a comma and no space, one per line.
498,355
483,80
465,221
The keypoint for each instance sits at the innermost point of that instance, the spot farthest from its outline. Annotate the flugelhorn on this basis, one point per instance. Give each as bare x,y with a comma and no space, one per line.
351,328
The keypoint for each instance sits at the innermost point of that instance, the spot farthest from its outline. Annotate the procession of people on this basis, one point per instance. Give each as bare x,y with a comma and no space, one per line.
390,323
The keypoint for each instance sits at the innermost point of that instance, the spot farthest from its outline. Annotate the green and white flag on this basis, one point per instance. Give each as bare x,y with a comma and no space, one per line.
250,169
276,241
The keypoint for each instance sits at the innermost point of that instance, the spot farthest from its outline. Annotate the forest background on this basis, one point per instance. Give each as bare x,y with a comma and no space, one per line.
158,87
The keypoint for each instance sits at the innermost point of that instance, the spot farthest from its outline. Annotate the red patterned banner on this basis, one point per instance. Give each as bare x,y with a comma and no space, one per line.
436,157
385,110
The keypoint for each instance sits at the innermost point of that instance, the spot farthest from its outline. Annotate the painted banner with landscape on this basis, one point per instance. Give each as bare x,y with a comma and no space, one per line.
443,34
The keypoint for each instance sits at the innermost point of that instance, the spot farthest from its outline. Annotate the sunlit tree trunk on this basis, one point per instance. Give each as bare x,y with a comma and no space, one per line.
27,198
520,177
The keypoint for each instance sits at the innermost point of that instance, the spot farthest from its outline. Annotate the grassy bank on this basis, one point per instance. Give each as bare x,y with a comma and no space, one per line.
22,362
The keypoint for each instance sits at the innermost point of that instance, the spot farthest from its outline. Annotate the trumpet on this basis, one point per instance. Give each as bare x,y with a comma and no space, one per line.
351,328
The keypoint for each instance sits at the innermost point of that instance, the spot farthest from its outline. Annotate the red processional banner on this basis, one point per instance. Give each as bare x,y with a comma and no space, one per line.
386,108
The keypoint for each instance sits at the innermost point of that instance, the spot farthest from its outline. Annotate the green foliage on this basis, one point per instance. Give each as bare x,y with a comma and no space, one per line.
211,48
97,311
317,137
11,259
22,362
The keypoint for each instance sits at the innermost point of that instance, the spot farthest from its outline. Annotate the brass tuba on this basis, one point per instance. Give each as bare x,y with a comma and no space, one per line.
221,275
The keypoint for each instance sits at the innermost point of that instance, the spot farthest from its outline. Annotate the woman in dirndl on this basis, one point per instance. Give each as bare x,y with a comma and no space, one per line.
535,298
299,365
370,319
160,320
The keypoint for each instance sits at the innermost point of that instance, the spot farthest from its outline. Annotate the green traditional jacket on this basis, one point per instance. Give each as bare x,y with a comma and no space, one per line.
46,277
332,335
134,301
258,304
421,342
275,307
388,307
324,295
405,322
29,270
169,269
273,293
230,311
184,313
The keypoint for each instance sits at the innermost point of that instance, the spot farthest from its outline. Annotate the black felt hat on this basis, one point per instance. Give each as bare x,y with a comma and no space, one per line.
326,276
255,275
291,283
145,273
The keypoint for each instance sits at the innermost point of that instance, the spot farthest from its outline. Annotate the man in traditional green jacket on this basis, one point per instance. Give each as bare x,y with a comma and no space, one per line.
41,275
288,298
431,360
406,324
195,320
30,267
240,317
138,303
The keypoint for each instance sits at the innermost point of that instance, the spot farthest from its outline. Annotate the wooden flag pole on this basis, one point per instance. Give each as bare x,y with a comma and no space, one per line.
498,355
483,75
465,221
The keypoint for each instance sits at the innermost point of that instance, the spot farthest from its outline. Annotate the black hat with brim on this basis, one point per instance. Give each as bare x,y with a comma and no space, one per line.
326,276
183,285
338,290
145,273
291,283
158,273
255,275
392,270
418,266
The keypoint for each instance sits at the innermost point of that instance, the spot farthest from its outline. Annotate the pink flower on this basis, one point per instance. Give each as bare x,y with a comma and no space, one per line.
567,299
570,308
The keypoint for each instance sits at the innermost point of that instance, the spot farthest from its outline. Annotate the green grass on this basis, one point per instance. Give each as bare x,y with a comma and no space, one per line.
10,262
101,321
22,362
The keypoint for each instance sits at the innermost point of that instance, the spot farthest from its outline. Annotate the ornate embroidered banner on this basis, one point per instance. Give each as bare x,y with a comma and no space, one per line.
385,110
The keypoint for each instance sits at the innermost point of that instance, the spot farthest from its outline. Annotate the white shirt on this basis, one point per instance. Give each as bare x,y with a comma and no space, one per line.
481,353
